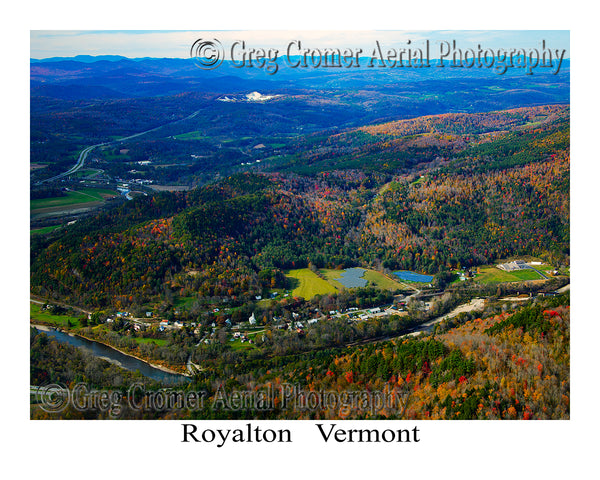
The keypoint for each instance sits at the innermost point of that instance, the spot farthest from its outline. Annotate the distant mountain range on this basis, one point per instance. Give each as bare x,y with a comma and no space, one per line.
110,76
80,58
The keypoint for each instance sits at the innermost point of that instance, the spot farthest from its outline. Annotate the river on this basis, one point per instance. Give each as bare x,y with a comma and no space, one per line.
115,356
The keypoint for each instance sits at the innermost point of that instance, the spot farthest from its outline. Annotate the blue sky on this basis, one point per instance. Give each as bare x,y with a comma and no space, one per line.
177,43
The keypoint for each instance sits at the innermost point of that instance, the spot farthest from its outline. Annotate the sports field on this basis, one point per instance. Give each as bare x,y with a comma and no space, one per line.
495,275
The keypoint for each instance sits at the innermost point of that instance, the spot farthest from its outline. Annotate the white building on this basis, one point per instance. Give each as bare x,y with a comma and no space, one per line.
512,266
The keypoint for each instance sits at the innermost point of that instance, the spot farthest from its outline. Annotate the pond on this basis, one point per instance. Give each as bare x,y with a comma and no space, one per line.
413,276
351,278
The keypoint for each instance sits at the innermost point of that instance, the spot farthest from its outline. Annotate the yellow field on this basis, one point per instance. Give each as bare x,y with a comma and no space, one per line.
307,284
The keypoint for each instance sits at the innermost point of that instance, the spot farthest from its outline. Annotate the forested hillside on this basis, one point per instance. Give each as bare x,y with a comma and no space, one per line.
428,195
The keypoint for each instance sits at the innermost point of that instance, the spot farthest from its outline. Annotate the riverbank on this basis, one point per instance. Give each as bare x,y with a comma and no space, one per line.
162,368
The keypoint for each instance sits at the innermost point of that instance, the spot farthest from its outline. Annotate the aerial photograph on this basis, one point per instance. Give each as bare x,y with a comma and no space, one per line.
299,225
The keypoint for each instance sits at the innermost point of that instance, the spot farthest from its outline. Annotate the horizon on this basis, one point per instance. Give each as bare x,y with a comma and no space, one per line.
134,44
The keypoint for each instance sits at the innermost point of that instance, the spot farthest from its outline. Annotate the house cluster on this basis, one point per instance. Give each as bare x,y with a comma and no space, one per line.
242,337
165,324
463,275
297,326
125,184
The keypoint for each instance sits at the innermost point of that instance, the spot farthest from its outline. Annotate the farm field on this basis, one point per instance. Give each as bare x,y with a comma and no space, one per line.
83,195
308,284
44,230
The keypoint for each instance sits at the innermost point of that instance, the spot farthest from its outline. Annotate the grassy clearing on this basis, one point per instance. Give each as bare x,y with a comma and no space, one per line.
37,315
184,302
157,341
332,276
307,284
238,345
382,281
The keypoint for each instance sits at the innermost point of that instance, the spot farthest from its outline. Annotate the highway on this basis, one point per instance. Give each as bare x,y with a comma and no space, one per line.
85,152
80,162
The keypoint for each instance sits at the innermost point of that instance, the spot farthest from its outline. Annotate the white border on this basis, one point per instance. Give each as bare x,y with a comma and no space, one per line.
448,449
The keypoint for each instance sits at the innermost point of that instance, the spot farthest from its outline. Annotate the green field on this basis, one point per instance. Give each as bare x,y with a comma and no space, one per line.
307,284
495,275
82,195
43,230
527,275
37,315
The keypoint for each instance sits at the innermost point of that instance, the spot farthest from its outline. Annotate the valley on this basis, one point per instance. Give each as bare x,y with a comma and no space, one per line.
365,234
